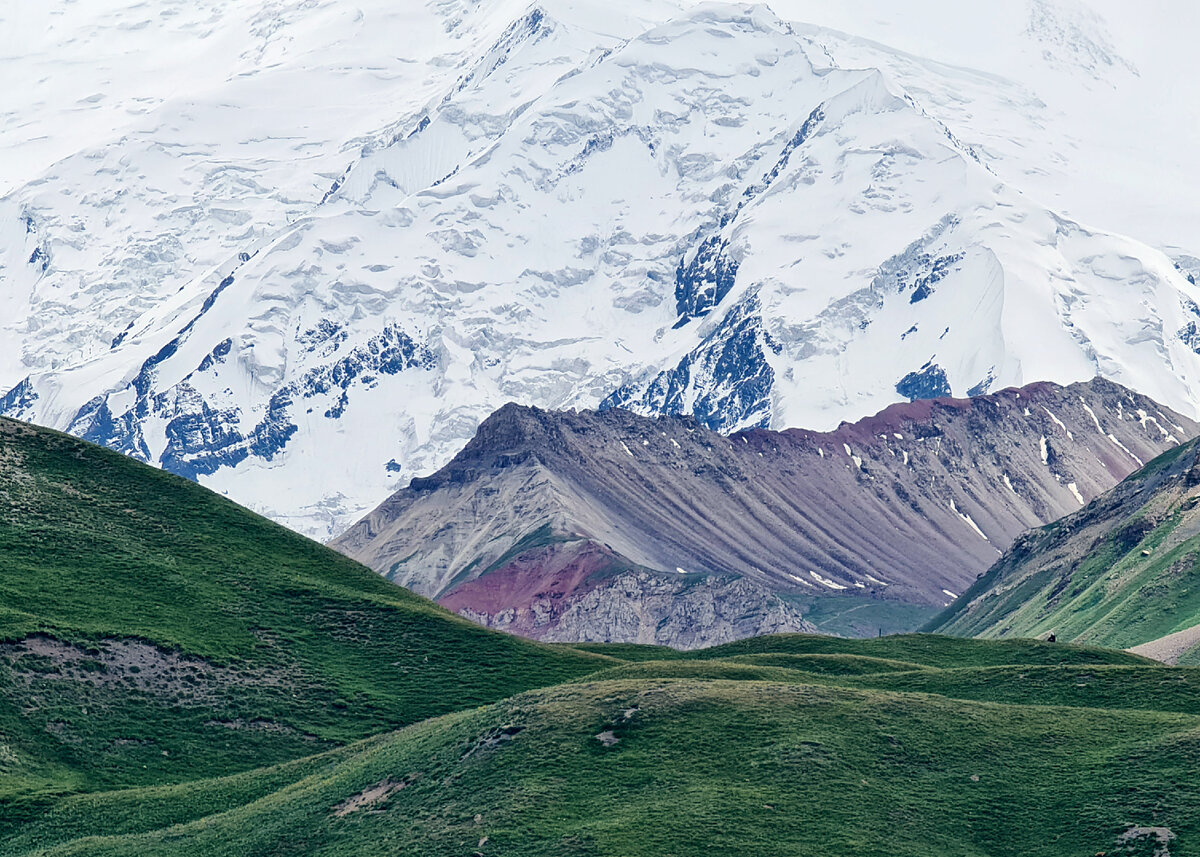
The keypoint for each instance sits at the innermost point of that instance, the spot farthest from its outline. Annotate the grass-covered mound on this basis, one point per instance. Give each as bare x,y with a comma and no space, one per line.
925,649
153,632
179,676
685,766
1149,688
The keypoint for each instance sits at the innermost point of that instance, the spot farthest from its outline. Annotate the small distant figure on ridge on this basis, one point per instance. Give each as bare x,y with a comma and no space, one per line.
1052,639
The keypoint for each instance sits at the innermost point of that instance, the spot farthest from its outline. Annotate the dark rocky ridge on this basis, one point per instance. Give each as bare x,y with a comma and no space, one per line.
906,506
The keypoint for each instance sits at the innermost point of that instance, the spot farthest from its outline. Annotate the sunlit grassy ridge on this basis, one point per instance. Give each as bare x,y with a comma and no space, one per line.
1122,571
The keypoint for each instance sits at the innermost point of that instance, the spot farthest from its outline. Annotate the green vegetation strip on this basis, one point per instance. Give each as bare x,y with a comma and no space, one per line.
682,767
179,676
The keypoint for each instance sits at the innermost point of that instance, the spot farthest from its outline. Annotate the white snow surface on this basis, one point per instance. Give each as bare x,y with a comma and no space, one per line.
298,249
970,522
826,582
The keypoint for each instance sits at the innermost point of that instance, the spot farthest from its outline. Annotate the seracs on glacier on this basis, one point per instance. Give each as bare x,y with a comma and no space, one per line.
308,279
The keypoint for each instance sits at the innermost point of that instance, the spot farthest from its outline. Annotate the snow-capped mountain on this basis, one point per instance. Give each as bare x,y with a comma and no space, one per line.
308,280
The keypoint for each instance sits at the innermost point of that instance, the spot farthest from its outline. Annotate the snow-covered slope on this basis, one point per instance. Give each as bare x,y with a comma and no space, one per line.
1086,105
306,275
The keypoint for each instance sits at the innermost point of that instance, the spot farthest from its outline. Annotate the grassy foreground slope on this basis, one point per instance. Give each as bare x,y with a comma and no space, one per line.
179,676
1122,571
153,632
667,766
1027,748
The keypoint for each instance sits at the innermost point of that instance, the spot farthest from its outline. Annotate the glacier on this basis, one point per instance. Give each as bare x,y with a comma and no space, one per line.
306,260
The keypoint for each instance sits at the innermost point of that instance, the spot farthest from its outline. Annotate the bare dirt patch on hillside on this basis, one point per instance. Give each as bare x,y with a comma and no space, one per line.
41,661
1171,648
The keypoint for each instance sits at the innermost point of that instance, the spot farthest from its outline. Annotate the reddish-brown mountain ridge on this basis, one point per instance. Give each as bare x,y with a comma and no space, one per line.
606,525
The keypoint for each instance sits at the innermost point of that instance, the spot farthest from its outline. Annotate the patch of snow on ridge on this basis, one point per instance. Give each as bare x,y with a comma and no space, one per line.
1125,449
1058,423
1145,419
968,520
826,582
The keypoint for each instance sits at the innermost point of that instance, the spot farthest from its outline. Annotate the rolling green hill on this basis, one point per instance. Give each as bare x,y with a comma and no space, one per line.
1123,571
179,676
153,632
667,766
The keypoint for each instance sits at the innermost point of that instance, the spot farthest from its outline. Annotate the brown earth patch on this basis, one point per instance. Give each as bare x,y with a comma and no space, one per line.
1160,836
127,665
1171,648
370,797
492,739
240,725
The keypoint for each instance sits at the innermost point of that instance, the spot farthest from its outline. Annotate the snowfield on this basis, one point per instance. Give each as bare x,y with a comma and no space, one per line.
298,250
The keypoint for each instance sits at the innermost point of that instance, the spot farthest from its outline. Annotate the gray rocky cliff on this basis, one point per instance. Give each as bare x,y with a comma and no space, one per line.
906,507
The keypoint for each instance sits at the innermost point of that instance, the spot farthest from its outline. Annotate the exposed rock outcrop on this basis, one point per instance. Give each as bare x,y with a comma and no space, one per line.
638,606
544,516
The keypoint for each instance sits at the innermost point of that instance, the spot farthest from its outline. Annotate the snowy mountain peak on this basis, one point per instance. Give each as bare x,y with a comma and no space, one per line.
1072,36
705,210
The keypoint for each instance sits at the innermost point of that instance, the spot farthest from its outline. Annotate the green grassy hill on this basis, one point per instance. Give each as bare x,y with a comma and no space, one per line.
153,632
928,649
765,764
1122,571
179,676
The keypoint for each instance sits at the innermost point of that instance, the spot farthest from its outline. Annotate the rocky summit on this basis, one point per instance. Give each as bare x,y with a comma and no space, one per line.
611,526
